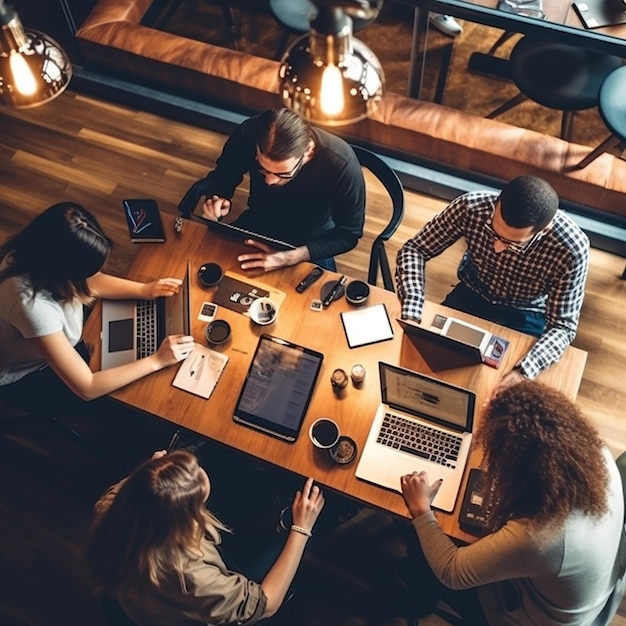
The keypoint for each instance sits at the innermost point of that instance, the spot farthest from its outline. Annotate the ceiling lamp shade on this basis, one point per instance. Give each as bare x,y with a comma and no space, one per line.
327,76
33,67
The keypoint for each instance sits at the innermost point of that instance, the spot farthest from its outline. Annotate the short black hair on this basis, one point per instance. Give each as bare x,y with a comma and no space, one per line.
528,201
282,134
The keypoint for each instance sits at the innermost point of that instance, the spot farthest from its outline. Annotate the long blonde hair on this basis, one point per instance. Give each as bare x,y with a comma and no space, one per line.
154,525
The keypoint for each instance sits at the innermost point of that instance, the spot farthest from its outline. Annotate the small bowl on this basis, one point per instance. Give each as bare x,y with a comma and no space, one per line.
209,274
263,311
217,332
357,292
344,451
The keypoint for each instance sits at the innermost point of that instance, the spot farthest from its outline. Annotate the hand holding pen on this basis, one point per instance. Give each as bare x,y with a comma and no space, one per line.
173,441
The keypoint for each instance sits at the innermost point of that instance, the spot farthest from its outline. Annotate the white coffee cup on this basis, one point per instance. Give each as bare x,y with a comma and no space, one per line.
263,311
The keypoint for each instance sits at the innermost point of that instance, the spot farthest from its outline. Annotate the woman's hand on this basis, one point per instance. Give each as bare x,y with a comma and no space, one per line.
161,287
174,349
157,454
307,505
418,493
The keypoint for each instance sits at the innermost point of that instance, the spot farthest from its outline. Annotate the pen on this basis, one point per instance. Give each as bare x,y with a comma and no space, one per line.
334,291
197,361
173,440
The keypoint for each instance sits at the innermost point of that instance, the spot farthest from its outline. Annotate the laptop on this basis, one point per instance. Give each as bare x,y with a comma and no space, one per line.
133,329
471,343
422,424
241,234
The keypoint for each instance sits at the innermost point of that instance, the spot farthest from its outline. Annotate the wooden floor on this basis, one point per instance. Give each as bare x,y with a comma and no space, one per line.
97,153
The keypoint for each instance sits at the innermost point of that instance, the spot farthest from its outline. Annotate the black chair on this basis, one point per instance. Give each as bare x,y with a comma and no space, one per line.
294,17
612,108
389,179
557,76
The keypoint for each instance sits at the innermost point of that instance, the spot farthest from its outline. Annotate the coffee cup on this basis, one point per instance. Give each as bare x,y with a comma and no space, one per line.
263,311
357,292
324,433
217,332
210,274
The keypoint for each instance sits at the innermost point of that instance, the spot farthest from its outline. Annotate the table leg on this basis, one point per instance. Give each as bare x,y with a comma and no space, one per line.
418,52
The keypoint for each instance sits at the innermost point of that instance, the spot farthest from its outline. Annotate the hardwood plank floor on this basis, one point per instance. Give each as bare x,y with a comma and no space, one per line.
98,153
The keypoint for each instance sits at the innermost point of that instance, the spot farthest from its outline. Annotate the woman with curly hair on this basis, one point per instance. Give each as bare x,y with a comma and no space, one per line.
154,547
48,272
554,553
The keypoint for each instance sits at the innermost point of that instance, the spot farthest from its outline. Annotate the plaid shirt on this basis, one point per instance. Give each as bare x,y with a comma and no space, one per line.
547,276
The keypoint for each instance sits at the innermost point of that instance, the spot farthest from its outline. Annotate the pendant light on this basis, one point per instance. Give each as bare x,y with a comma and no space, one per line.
33,67
327,76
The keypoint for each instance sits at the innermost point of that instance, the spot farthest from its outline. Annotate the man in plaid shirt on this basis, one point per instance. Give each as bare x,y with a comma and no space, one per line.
525,266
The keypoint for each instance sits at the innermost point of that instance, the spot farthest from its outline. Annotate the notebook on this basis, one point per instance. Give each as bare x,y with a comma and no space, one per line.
417,413
132,329
474,344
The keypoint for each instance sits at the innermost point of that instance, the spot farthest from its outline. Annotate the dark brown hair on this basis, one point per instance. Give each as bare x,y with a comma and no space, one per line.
282,134
543,459
528,201
58,251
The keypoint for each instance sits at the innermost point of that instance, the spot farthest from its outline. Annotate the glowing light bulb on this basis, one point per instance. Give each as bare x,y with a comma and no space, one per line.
331,96
23,76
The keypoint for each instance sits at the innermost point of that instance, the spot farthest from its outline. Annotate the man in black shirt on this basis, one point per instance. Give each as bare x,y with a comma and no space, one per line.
306,188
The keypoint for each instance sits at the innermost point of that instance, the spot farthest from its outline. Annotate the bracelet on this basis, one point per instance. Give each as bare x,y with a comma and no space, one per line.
302,531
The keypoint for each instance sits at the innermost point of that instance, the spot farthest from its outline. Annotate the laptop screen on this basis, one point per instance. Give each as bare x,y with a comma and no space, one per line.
427,397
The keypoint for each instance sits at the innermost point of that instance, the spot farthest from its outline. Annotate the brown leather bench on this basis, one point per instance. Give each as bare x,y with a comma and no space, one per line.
112,38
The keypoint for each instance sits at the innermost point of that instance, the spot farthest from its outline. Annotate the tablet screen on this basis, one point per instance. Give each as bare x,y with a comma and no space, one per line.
278,387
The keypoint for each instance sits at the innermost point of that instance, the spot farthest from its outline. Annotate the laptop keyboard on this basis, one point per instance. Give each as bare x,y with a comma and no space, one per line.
146,328
424,441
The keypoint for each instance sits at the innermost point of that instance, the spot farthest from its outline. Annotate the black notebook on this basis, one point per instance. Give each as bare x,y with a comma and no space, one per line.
144,221
598,13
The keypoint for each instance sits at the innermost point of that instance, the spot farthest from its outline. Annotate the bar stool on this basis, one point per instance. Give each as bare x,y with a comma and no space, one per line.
557,76
612,108
294,17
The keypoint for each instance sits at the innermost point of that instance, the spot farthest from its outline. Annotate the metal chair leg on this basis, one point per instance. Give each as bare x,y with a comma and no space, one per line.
508,105
610,142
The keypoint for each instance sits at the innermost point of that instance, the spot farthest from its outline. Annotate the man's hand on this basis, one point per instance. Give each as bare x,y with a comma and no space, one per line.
266,259
161,287
418,493
214,208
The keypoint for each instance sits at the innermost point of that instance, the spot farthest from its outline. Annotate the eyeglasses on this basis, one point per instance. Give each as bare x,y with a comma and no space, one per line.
283,175
514,246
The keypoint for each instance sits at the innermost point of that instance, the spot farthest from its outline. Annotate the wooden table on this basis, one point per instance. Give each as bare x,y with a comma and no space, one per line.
319,330
561,24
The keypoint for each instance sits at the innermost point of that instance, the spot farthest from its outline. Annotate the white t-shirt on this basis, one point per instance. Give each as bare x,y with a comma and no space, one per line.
23,317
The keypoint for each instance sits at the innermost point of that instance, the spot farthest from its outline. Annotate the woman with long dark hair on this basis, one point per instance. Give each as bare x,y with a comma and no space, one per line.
555,553
155,548
48,272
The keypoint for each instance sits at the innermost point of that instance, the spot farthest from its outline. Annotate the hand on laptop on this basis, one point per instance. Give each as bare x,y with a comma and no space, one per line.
174,349
418,493
161,287
214,208
265,258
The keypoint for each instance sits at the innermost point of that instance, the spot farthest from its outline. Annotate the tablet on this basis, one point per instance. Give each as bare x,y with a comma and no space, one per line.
278,387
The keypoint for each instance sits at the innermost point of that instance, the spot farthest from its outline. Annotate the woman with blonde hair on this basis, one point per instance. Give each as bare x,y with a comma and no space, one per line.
155,548
554,554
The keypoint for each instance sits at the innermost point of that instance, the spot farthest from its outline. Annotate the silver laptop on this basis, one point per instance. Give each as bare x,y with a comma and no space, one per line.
132,329
421,424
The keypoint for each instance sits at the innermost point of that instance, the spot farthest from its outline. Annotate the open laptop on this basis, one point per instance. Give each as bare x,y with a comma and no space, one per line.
472,343
132,329
422,424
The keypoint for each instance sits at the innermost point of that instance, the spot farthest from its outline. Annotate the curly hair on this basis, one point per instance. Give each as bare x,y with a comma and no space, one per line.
157,519
543,458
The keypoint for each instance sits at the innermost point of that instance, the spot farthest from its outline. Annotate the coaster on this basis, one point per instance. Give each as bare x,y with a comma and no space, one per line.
326,288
